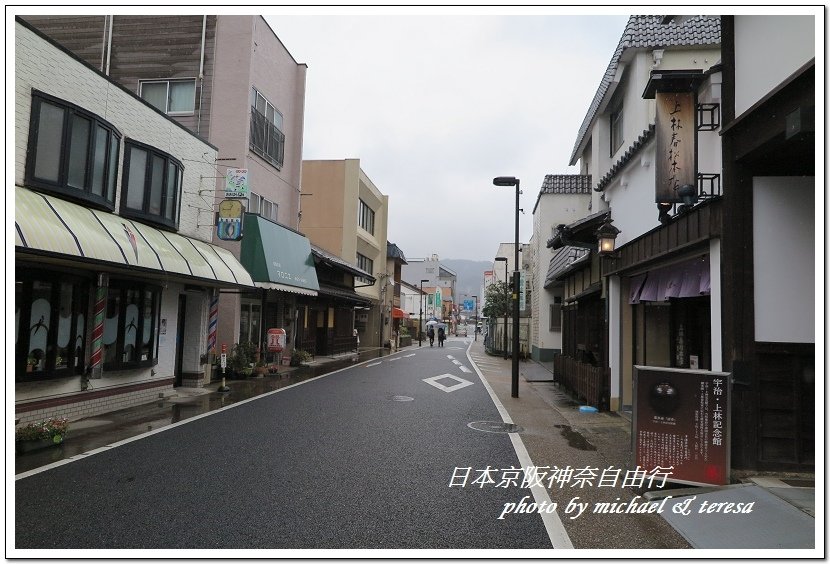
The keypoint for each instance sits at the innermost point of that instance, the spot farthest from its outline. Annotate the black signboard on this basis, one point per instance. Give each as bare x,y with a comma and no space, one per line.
681,420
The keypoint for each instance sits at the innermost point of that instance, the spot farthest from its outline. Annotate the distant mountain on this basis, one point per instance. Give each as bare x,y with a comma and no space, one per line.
470,276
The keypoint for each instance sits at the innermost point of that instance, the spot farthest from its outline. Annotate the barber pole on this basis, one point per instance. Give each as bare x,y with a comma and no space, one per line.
212,322
98,329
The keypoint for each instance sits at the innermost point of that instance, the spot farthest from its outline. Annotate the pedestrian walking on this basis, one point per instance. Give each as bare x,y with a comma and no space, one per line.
431,335
441,336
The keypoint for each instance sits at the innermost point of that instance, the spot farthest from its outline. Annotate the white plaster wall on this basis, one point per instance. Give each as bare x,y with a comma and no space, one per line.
783,233
631,197
768,49
552,210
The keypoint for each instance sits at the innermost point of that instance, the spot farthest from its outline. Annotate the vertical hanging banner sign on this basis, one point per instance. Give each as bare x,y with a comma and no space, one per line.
675,144
236,183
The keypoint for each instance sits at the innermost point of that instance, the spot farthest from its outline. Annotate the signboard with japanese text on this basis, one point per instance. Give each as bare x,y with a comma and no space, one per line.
681,420
522,283
236,183
675,136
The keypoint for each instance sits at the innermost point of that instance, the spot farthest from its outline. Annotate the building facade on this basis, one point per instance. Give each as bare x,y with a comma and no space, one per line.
769,241
231,81
562,199
114,273
345,214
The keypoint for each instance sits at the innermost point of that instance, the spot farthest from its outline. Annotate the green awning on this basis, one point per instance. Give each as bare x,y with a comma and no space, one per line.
277,257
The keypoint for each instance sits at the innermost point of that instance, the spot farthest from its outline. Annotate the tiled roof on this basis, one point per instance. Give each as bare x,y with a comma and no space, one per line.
563,261
648,32
394,252
564,184
336,262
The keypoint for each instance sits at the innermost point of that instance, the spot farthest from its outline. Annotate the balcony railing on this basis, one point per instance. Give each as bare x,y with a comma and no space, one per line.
266,139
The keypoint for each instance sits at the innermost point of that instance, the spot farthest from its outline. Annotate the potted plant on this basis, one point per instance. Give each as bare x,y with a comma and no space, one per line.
41,434
241,360
299,356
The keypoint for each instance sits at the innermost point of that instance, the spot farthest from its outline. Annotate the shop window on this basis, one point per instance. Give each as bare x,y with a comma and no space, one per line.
50,326
130,335
152,185
72,152
250,322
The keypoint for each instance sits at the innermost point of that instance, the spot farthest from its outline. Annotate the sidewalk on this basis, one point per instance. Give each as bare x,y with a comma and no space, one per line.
783,513
177,405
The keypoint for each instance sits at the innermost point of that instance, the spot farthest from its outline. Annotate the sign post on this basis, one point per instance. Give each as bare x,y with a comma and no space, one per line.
276,342
223,361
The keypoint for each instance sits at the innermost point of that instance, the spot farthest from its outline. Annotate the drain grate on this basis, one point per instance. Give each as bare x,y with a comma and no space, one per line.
495,427
402,398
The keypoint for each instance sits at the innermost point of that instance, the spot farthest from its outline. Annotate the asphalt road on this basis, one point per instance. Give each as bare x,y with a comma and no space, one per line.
357,459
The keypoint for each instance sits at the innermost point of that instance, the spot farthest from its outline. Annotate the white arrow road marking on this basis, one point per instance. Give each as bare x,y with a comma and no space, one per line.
373,364
462,383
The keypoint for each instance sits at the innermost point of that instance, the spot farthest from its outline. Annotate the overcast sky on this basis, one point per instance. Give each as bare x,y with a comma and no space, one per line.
435,106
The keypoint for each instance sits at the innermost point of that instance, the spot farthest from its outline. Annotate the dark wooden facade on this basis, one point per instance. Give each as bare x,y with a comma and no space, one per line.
774,394
177,44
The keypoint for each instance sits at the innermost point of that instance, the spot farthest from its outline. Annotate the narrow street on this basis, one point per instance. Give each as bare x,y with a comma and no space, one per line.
359,458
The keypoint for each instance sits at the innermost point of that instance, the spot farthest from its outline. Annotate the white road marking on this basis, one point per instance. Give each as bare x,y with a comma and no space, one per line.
408,355
373,364
462,383
465,369
396,358
553,524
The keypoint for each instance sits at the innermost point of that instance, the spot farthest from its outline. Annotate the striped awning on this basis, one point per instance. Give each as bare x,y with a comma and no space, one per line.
49,226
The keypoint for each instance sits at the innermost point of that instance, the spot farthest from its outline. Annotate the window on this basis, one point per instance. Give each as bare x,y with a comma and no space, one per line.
267,138
72,152
50,325
365,217
616,126
253,203
249,322
262,207
366,264
556,315
130,335
174,97
151,186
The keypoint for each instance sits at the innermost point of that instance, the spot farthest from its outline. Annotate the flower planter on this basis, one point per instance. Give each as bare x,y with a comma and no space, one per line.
22,447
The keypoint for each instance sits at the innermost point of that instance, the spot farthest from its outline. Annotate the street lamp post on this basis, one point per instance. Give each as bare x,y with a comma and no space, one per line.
514,388
504,259
421,312
475,325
